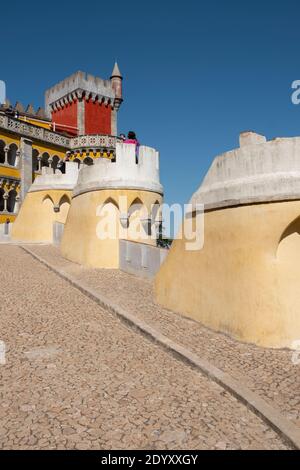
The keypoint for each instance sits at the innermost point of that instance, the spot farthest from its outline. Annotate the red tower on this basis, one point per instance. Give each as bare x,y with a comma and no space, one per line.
83,104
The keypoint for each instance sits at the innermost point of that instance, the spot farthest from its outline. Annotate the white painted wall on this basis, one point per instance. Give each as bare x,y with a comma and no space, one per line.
57,180
258,171
124,173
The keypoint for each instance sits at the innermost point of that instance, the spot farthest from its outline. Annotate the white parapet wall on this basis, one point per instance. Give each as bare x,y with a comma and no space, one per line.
128,171
49,180
258,171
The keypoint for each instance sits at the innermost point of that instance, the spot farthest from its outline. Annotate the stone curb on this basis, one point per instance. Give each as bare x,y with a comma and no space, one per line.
287,430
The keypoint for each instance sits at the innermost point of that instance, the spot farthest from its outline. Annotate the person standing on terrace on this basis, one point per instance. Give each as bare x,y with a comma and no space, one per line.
131,139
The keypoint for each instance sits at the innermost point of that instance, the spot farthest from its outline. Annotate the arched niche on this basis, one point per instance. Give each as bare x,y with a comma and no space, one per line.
2,151
12,154
139,227
11,201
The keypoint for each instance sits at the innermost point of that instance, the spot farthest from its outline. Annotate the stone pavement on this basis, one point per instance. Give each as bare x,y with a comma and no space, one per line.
77,377
269,373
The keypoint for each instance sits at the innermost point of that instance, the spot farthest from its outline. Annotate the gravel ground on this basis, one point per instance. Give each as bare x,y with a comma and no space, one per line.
269,373
77,377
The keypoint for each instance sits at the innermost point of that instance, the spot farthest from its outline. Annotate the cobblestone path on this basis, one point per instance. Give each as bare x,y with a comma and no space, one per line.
77,377
269,373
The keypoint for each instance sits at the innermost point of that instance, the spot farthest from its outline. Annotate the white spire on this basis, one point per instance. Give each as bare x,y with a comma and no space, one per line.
116,71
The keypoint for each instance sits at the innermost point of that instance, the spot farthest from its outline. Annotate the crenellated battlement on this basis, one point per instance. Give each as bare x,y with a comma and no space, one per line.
127,171
74,87
83,104
258,171
49,180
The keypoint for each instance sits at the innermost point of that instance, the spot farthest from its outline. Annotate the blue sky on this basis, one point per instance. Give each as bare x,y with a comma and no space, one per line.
195,73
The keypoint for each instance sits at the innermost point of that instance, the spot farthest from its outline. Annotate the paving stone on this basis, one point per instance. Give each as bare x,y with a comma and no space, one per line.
97,373
268,372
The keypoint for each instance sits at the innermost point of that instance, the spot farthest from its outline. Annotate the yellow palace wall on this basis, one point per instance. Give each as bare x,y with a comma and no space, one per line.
40,146
246,279
80,242
48,148
9,138
6,170
9,172
13,173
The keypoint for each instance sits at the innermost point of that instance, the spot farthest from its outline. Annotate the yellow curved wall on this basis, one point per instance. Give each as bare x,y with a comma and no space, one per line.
34,222
246,280
81,243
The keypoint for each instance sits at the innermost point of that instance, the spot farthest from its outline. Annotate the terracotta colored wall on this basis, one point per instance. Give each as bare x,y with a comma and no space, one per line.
66,116
97,118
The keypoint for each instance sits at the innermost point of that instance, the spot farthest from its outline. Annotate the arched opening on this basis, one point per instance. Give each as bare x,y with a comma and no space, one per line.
156,219
64,206
45,158
135,203
48,198
11,201
2,199
47,216
2,152
111,200
288,267
55,161
292,228
88,161
139,221
35,162
289,243
78,161
12,154
108,227
155,211
64,199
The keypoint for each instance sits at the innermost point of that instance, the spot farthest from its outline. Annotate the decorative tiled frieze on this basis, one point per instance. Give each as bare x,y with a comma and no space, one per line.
93,141
25,129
